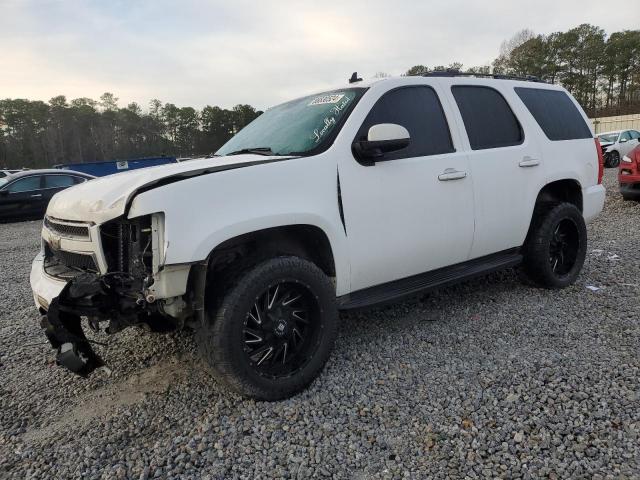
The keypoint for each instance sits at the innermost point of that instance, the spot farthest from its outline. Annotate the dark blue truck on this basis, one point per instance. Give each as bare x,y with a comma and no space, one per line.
100,169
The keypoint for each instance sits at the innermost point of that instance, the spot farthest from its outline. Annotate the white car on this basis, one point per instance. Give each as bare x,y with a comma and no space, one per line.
616,145
338,200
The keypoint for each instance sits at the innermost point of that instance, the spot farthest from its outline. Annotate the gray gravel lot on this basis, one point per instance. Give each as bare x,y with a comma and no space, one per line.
488,379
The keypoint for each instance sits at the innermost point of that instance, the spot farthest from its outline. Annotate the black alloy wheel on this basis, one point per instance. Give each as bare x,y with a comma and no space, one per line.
271,329
563,247
280,331
556,246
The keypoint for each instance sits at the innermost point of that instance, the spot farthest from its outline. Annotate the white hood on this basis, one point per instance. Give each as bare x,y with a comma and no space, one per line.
107,197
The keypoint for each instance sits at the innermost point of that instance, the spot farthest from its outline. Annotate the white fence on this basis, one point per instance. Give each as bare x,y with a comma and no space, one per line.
622,122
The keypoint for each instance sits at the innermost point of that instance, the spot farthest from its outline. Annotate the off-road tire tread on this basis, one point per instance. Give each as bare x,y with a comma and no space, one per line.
535,262
213,336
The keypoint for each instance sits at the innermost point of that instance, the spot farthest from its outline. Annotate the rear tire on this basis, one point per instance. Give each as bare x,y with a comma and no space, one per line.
556,246
273,329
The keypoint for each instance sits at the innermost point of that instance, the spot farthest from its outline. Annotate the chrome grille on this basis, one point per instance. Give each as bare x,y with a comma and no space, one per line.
67,229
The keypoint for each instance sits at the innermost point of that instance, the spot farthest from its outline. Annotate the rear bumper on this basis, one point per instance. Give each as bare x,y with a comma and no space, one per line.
592,201
44,287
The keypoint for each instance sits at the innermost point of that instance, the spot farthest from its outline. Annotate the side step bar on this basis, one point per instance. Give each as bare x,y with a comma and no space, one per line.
424,282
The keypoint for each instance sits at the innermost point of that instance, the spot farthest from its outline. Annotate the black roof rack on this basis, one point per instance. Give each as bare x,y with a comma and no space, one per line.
497,76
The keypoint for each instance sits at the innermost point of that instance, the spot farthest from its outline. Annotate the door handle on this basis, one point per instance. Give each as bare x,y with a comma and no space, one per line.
37,195
529,162
451,174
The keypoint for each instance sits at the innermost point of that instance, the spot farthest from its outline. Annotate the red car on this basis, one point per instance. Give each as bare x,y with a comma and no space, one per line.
629,175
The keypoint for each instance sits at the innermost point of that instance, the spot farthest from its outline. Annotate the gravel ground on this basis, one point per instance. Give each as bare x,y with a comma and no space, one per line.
488,379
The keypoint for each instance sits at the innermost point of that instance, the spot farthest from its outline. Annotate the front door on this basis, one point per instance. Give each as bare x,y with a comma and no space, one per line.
21,198
411,212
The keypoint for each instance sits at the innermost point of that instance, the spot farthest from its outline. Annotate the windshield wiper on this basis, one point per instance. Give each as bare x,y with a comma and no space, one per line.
255,150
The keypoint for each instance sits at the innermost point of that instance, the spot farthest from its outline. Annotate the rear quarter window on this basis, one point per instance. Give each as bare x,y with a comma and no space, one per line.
487,117
556,114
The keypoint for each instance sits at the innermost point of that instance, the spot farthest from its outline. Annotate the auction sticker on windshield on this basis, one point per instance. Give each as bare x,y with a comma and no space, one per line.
324,99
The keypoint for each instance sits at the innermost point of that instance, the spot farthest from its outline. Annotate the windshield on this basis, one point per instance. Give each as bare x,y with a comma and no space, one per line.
609,137
3,182
296,127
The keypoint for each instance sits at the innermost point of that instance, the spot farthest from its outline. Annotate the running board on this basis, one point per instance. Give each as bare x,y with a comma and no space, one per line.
423,282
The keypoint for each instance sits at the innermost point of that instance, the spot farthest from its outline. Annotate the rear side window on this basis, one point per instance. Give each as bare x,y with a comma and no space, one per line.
58,181
418,110
556,114
487,117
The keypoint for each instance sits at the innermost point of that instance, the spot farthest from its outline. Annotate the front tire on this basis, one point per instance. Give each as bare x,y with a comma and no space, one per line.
273,330
556,245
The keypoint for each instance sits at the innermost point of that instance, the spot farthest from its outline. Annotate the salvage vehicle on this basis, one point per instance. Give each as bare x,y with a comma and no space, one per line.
617,144
344,199
24,195
629,175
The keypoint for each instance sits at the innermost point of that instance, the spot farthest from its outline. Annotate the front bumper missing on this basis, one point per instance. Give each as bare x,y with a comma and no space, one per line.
99,298
64,332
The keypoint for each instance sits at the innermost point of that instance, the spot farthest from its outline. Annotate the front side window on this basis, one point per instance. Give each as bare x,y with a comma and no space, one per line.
27,184
299,127
625,137
58,181
634,134
417,109
487,117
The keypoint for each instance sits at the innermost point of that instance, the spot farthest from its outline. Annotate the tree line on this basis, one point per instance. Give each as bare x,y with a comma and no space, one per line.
35,134
602,72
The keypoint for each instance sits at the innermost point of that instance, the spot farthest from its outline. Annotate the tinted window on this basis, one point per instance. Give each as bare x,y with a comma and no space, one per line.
24,185
58,181
626,136
634,134
556,114
487,117
418,110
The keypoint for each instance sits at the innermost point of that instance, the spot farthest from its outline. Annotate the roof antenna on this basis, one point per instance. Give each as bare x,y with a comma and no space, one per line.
354,78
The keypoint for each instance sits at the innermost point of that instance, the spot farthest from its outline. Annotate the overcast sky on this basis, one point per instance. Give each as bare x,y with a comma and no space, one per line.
194,53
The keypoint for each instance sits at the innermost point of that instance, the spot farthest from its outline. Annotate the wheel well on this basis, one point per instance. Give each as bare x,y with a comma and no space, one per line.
566,190
305,241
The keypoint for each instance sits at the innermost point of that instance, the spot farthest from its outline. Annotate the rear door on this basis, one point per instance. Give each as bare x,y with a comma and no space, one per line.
506,165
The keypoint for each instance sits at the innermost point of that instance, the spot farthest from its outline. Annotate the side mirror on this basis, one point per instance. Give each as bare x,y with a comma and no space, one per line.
382,138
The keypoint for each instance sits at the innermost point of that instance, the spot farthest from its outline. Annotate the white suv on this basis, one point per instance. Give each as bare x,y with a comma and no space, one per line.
342,199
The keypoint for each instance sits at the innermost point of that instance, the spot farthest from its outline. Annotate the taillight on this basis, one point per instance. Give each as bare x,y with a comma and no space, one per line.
600,161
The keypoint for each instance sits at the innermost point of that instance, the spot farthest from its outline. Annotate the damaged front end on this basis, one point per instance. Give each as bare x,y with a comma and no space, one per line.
113,284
